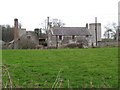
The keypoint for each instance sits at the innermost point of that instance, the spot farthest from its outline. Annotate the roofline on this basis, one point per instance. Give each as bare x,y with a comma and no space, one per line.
70,35
68,27
23,28
95,23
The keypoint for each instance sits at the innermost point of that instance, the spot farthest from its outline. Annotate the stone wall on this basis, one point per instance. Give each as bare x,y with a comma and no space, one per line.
108,44
92,32
16,29
22,32
55,41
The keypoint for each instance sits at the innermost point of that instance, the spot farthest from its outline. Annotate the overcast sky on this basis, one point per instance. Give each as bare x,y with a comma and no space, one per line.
31,13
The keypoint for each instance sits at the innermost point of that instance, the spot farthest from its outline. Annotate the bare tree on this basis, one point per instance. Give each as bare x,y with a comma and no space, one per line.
53,23
111,30
7,33
57,23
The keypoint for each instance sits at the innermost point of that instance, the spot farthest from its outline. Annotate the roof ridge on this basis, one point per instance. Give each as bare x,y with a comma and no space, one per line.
70,31
68,27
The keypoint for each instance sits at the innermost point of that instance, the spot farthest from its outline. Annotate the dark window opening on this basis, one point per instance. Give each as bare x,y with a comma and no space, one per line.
73,36
29,37
60,37
87,35
42,41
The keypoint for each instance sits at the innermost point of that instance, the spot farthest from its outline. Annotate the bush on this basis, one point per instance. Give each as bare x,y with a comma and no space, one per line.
44,44
74,45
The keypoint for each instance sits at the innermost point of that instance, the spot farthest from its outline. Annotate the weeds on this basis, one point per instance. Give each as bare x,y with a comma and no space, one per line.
9,82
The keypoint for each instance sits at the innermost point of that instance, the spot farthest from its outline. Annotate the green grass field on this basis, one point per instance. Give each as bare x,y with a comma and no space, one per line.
68,68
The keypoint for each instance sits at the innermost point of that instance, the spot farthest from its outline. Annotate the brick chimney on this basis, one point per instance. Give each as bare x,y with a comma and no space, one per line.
16,29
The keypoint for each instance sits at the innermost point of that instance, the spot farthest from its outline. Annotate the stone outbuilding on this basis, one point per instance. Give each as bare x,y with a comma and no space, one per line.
58,36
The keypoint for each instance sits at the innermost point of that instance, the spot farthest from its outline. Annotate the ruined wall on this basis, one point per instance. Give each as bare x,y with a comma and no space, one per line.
92,32
55,41
22,32
16,30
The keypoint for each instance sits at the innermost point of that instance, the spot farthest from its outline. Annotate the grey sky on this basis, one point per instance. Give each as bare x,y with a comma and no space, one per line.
31,13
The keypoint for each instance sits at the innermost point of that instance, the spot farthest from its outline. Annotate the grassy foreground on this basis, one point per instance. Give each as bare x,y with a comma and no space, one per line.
68,68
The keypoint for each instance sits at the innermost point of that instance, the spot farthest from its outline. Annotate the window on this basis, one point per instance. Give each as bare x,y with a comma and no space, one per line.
87,35
73,36
28,36
60,37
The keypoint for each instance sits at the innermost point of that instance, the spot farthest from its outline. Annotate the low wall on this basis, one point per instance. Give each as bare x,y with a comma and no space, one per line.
108,44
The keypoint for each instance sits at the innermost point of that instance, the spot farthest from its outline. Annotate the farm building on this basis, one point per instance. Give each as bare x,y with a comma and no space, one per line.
58,36
18,31
66,35
22,39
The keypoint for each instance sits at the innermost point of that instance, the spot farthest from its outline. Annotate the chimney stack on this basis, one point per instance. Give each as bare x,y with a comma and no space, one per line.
16,29
87,25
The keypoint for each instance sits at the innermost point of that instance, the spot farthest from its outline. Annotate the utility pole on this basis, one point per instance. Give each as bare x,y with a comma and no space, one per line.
96,29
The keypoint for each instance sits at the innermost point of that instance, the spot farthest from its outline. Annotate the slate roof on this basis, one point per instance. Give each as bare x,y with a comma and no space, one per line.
69,31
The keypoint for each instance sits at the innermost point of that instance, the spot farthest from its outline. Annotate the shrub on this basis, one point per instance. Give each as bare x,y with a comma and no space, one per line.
44,44
74,45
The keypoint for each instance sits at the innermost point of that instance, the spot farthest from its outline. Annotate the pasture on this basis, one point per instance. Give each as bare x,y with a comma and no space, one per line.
57,68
